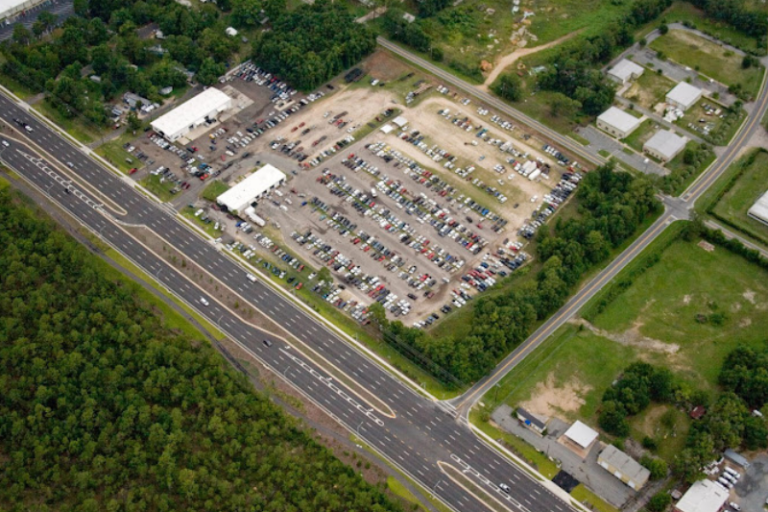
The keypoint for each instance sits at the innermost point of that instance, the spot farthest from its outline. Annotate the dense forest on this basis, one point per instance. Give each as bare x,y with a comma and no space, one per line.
104,408
612,206
307,46
313,43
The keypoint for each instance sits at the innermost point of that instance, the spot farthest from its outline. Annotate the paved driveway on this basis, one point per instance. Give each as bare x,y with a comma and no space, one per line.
601,141
752,489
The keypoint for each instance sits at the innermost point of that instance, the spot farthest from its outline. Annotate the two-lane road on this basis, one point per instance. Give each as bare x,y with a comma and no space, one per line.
416,437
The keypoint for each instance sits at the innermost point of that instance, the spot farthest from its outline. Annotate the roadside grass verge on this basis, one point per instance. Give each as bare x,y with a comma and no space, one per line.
74,127
677,165
162,189
209,227
732,207
114,153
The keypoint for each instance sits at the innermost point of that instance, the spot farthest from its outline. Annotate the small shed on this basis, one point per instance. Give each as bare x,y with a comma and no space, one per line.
759,210
535,422
387,128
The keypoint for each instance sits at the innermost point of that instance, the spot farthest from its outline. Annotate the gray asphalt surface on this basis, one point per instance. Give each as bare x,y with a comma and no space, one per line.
63,9
422,432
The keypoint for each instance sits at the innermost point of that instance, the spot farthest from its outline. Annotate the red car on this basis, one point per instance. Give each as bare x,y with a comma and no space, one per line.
298,286
133,171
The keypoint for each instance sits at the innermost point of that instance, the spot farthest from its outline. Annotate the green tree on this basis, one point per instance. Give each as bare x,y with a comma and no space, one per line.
509,87
659,502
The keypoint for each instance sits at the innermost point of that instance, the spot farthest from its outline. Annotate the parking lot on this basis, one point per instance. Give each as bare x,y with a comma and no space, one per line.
420,216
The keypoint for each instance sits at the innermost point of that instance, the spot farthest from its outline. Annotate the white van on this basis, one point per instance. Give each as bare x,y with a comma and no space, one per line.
251,277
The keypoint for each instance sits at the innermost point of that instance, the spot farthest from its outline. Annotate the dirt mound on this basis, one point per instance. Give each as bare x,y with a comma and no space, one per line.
632,337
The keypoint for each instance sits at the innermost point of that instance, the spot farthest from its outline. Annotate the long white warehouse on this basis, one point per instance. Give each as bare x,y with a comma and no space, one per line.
192,113
239,197
9,8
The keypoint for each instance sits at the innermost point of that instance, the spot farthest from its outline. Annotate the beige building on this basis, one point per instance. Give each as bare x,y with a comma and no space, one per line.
665,145
625,71
623,467
617,122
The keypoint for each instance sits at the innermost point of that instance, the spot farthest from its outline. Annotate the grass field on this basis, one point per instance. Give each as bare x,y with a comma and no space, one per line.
643,132
214,189
653,320
708,58
733,206
162,189
649,89
114,153
681,11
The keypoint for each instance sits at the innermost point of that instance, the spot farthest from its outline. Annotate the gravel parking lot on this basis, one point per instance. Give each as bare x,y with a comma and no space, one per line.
420,219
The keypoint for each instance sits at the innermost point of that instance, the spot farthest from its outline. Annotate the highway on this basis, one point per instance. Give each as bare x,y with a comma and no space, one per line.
420,434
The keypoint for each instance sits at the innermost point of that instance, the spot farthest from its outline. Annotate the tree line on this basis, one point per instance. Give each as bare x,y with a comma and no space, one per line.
612,206
103,407
313,43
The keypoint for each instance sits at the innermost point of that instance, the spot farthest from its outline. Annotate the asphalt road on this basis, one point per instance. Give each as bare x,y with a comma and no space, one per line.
674,209
421,432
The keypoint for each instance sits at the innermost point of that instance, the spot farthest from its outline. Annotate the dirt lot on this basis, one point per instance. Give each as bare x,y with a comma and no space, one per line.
411,240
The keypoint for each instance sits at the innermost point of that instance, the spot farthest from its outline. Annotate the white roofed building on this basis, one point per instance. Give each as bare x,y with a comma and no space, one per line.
579,438
665,145
617,122
400,121
12,7
239,197
192,113
759,210
625,71
703,496
684,96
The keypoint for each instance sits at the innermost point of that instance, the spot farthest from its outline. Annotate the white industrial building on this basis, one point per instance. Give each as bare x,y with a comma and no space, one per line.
239,197
625,71
665,145
10,8
684,96
580,435
623,467
703,496
189,115
759,210
617,122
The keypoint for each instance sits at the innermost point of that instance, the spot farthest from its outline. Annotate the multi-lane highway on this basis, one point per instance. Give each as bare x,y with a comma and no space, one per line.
415,433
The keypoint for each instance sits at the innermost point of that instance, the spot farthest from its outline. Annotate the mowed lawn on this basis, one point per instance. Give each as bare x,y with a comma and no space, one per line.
649,89
654,320
707,57
734,205
663,304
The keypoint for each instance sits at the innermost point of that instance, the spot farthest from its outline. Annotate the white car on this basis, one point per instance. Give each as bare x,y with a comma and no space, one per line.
505,488
204,302
6,143
735,506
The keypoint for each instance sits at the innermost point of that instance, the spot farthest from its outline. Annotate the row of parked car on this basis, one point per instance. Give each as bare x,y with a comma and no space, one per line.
564,188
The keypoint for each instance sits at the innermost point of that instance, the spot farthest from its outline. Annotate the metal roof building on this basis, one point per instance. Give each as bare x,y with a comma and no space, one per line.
581,434
252,188
703,496
623,467
191,114
759,210
684,96
665,145
625,71
617,122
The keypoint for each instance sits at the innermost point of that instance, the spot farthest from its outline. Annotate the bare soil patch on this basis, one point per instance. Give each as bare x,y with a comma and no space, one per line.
706,246
551,400
632,337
